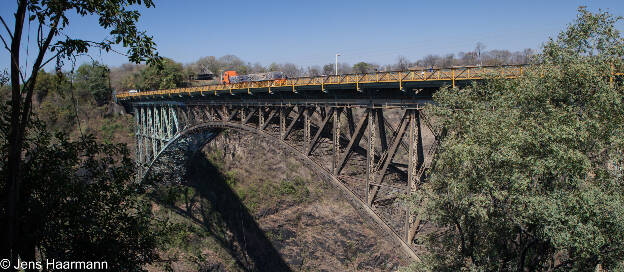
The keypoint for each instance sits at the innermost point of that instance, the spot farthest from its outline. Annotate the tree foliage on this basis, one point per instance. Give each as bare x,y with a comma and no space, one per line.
50,18
48,83
165,75
362,67
92,79
79,202
529,171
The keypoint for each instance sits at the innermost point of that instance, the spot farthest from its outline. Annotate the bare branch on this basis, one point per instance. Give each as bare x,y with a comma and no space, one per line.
52,58
6,27
29,86
5,44
39,35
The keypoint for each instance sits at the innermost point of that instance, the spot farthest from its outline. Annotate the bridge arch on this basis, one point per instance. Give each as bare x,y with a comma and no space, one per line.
315,135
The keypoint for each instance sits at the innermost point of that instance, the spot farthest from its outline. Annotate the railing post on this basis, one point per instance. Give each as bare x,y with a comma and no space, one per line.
453,75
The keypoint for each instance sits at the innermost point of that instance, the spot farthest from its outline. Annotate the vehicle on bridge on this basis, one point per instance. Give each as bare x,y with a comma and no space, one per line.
231,77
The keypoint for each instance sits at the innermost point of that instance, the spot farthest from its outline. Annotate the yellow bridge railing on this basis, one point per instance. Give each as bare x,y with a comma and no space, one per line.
450,75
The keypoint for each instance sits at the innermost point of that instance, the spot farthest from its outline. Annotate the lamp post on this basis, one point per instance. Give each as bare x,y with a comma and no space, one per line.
338,54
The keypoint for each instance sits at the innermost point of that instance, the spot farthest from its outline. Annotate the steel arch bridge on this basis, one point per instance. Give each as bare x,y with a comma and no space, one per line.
365,134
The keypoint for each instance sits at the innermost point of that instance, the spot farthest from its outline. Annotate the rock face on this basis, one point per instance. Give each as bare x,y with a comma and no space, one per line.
296,219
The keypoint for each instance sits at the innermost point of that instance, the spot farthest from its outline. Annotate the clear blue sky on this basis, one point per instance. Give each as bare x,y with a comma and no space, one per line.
311,32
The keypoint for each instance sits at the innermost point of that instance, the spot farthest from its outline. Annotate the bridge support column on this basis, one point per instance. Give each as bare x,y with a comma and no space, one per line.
350,122
388,156
144,134
158,127
336,140
306,128
208,113
282,122
169,124
150,123
242,115
175,120
370,153
139,154
225,113
164,125
416,162
381,125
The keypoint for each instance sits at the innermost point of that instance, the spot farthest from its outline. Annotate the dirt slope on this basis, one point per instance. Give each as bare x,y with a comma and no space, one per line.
261,210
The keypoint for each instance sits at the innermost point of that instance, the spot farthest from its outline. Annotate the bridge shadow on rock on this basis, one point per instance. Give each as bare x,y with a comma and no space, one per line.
220,211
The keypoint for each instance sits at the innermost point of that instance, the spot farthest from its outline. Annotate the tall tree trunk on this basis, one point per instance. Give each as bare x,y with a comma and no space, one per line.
15,141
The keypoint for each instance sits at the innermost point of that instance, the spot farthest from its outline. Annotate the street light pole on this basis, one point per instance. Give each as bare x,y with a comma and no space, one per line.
337,63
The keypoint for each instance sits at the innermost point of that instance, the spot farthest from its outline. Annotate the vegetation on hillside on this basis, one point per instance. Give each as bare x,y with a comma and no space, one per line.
64,198
529,174
78,203
92,81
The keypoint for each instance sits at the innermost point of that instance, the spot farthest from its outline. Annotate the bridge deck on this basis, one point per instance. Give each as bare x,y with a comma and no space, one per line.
404,79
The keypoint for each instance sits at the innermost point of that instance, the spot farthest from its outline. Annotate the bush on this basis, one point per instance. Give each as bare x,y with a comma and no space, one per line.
525,178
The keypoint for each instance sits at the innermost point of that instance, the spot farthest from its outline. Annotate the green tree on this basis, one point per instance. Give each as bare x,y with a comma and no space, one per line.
528,177
50,18
129,82
79,202
165,75
48,83
93,79
361,67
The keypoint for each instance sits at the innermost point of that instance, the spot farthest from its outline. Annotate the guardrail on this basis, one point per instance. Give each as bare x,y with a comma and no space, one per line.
446,74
